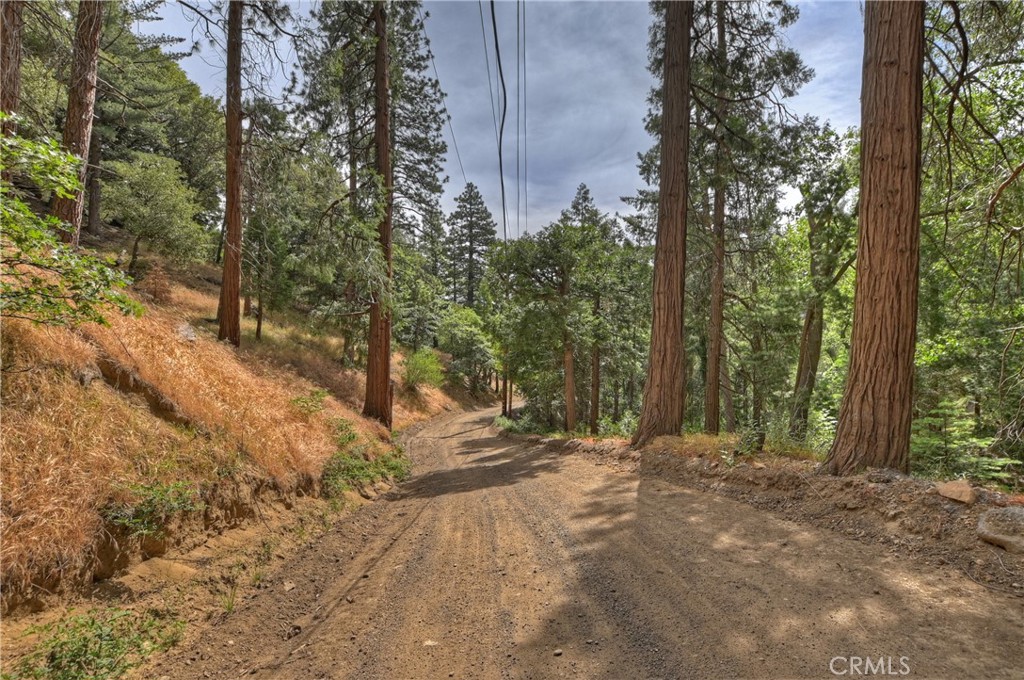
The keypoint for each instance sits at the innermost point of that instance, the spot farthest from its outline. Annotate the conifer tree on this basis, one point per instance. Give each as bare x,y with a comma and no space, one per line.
471,232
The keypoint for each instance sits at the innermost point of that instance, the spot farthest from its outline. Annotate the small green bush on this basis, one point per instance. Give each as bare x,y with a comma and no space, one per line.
152,506
98,645
945,444
524,424
348,469
311,403
422,368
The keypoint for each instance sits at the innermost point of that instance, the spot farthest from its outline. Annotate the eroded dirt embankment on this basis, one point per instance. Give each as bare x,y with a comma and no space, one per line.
906,516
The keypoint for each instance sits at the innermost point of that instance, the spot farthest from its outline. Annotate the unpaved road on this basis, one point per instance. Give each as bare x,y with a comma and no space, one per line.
504,560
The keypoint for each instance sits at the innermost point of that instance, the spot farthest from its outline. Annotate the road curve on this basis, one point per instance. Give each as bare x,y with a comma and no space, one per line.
505,560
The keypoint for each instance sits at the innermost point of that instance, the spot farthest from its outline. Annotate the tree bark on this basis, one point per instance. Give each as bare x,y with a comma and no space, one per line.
81,104
712,391
664,390
875,415
569,367
92,224
807,367
259,306
231,285
716,319
615,401
11,28
595,388
135,255
730,409
378,365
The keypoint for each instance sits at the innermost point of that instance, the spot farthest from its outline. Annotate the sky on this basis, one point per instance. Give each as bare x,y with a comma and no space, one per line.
586,88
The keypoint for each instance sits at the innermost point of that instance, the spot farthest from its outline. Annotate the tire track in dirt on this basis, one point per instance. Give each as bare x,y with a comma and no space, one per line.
508,560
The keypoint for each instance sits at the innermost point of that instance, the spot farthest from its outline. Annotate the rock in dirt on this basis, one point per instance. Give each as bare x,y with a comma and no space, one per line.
288,586
186,332
558,652
958,490
1003,527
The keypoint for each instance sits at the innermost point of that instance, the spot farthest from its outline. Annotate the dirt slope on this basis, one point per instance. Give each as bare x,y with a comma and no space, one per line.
508,560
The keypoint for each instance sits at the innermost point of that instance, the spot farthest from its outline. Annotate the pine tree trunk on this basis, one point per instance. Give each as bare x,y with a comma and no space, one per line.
135,255
247,304
11,27
81,103
615,402
712,392
595,388
92,224
664,390
231,284
730,409
378,364
807,367
259,307
569,367
875,415
716,320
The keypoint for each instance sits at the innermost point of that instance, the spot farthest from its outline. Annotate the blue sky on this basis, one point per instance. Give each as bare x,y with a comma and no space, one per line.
587,85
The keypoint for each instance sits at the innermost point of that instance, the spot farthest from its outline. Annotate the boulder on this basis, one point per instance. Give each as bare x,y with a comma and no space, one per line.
958,490
1003,527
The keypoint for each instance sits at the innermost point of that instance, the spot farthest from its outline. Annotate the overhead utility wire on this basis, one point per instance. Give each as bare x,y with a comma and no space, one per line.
525,117
444,97
487,61
501,128
518,115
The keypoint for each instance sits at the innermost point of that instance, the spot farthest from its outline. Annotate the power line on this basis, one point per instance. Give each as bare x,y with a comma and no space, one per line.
487,61
444,97
526,154
518,114
501,128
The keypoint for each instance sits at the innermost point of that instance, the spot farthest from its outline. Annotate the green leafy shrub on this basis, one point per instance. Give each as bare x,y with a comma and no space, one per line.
945,444
98,645
523,424
41,279
462,335
155,205
623,427
347,469
152,506
422,368
311,403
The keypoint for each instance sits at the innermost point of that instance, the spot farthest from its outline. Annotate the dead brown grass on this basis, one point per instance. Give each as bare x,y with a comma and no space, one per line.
71,443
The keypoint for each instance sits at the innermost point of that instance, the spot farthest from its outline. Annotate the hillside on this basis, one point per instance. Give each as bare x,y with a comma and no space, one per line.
111,432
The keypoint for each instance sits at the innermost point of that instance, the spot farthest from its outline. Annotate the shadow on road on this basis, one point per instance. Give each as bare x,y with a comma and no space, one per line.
505,463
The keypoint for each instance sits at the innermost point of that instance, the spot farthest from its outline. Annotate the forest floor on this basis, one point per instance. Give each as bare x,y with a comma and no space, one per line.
502,558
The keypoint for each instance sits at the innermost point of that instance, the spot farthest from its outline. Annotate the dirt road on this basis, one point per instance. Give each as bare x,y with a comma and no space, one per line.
504,560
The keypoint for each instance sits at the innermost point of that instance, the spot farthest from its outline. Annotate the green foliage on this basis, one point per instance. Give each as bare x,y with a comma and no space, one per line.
347,469
152,506
944,444
98,645
150,199
422,368
523,424
625,426
40,279
472,231
311,403
461,334
344,435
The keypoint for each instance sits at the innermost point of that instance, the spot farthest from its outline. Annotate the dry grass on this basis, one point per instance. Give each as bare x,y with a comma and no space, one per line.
69,449
698,445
